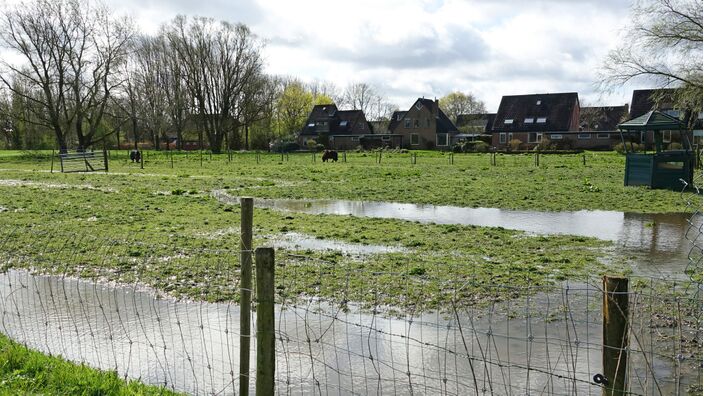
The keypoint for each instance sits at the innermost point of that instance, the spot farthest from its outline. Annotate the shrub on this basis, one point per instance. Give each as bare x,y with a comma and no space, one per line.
481,147
319,147
620,149
458,148
675,146
514,144
311,144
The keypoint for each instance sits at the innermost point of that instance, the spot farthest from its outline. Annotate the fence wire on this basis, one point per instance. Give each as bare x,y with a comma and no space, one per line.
169,316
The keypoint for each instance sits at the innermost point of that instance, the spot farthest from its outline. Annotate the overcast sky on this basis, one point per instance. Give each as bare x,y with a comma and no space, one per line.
414,48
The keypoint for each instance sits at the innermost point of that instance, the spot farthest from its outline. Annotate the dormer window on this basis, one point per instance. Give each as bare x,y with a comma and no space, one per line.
528,120
541,120
398,117
537,103
508,121
311,124
343,123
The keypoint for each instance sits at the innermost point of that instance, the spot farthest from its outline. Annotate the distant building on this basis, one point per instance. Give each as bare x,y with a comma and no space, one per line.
326,122
662,99
530,119
598,127
423,126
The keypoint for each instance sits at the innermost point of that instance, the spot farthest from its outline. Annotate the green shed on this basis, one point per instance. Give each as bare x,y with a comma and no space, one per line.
663,168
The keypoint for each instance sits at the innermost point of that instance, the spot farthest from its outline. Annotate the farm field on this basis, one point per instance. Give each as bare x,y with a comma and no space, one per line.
160,211
173,231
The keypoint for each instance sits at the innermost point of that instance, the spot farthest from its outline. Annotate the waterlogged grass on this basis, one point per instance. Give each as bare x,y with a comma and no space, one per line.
23,371
561,182
178,239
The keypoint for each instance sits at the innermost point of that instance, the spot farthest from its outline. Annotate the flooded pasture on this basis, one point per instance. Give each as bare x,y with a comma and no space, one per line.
514,348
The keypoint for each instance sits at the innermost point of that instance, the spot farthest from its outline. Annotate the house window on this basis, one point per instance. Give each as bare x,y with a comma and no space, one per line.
311,124
407,123
584,136
442,139
666,136
603,135
386,138
419,105
673,113
343,123
556,136
508,121
528,120
537,103
354,138
535,137
415,140
398,117
502,138
427,122
416,123
541,120
510,136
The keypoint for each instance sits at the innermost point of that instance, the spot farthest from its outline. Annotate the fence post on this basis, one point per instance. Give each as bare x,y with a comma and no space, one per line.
537,158
584,159
201,158
142,157
171,156
616,336
52,160
266,356
344,156
246,214
105,158
313,153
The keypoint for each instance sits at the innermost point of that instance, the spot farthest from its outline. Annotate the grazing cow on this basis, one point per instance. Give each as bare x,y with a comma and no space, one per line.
330,155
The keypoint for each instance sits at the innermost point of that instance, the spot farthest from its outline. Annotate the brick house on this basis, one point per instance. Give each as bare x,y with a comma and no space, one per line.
532,118
326,121
423,126
598,127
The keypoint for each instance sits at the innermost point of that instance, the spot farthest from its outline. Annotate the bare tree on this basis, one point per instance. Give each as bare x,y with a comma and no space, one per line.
152,78
71,50
220,59
663,44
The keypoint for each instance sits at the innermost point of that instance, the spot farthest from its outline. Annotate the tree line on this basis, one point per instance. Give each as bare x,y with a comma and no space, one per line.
82,76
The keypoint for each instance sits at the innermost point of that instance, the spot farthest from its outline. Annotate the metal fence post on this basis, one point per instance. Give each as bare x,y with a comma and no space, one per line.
52,160
616,335
266,356
246,215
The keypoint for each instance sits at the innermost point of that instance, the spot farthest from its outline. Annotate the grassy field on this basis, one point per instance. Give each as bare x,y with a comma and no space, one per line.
27,372
160,226
171,213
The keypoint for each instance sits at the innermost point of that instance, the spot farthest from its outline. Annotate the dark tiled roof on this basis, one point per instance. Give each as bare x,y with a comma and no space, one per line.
556,108
643,100
482,121
396,119
323,112
345,121
604,118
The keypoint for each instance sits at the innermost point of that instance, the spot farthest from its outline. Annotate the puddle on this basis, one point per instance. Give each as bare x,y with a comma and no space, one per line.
656,240
26,183
296,241
193,347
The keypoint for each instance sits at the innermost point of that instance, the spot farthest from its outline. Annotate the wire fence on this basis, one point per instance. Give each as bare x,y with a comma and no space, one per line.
170,316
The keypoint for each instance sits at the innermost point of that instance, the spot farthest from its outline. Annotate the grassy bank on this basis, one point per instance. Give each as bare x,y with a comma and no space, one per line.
23,371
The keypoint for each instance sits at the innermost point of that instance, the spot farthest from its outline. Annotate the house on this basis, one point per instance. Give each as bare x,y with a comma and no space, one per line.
325,123
662,99
529,119
474,127
423,126
598,127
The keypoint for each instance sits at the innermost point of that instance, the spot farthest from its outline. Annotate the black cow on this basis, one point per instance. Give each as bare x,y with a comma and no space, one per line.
330,155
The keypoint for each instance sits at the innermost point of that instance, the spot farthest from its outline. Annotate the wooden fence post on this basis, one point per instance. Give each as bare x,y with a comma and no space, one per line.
52,160
616,336
171,156
537,158
105,158
142,157
584,159
246,215
266,348
344,156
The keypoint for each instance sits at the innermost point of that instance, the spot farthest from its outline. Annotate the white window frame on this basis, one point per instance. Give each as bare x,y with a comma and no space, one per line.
555,136
602,135
541,120
584,136
437,139
538,137
510,136
416,123
528,120
537,103
502,138
508,121
407,123
417,139
667,136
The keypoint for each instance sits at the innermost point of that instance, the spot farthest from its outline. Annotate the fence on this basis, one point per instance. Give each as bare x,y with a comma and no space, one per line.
171,315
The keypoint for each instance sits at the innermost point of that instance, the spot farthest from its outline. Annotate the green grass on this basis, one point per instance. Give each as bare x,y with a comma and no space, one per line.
23,371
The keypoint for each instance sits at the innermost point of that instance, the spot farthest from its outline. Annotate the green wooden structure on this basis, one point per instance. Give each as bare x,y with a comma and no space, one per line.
661,169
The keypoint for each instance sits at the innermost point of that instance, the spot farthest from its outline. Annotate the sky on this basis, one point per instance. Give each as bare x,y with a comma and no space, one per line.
425,48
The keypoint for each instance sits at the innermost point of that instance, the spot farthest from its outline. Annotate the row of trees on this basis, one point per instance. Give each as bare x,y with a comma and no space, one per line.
83,76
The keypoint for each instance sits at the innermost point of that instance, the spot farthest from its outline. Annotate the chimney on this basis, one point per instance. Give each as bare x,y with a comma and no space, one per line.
436,108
